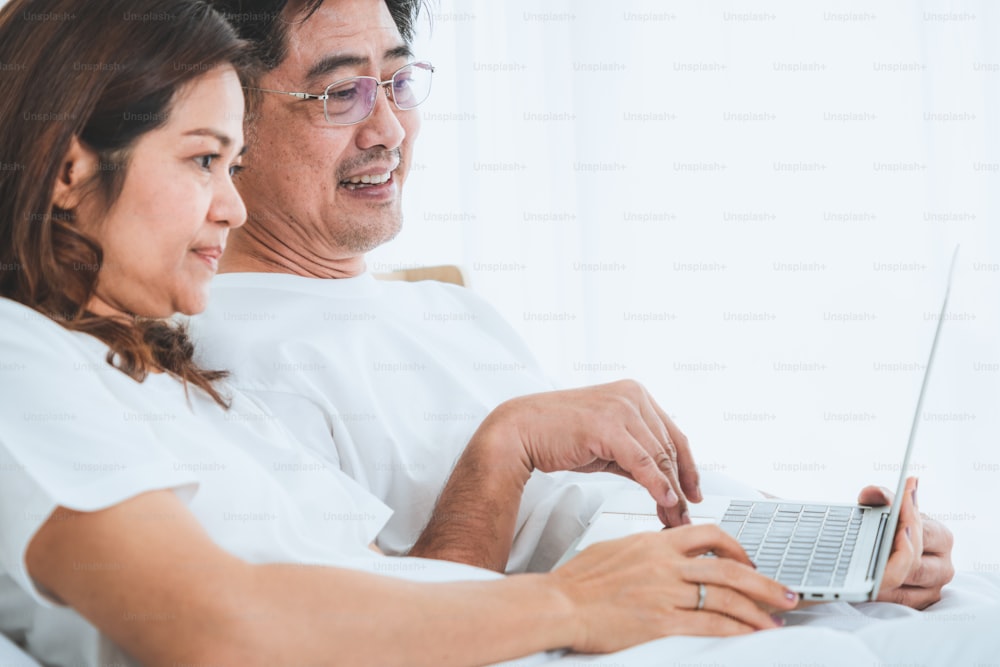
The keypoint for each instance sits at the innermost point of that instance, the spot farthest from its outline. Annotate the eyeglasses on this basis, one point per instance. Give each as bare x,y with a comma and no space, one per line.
352,100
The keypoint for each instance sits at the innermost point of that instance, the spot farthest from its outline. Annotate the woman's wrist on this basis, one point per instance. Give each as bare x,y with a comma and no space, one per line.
559,614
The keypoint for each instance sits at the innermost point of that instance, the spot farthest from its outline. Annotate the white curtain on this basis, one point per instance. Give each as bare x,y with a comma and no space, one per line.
748,208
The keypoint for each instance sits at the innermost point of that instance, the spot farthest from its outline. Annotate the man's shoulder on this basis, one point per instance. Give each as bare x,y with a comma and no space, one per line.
430,290
252,297
264,314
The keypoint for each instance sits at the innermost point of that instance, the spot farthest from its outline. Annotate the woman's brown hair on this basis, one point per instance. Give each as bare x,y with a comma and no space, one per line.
104,72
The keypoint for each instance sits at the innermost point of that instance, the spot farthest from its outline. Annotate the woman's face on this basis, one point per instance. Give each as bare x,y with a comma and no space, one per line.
163,237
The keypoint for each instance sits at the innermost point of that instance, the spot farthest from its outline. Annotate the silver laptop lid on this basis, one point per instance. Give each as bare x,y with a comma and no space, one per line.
888,537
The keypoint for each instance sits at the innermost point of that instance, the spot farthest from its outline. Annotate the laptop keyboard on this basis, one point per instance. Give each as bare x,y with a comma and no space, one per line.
798,545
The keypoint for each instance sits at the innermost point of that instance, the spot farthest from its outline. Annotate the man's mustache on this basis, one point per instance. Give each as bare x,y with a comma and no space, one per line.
359,162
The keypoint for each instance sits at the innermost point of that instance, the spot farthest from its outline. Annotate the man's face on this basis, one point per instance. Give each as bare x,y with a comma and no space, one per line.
303,171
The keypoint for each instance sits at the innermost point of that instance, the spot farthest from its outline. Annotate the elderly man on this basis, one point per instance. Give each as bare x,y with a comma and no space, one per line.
390,381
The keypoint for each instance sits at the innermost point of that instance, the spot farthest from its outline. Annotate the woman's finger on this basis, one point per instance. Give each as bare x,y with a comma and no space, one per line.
724,600
707,624
742,580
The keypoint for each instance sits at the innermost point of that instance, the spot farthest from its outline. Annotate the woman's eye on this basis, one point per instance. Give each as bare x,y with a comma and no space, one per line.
205,161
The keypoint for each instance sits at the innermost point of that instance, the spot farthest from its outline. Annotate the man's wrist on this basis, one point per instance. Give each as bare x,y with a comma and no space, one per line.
475,518
497,445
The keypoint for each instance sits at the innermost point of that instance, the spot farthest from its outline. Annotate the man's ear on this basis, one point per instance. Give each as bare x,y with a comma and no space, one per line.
76,169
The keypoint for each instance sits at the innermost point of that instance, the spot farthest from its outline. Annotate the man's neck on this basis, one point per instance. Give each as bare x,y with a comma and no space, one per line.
247,254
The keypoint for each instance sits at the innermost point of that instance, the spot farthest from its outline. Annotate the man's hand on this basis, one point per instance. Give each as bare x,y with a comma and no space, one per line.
920,563
615,427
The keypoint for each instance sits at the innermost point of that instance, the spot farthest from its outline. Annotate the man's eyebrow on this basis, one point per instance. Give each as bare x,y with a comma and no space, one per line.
325,66
401,51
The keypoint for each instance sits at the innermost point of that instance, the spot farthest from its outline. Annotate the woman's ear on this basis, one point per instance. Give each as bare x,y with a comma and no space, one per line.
76,169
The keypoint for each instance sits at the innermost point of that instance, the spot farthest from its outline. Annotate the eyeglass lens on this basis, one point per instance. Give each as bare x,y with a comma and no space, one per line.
351,100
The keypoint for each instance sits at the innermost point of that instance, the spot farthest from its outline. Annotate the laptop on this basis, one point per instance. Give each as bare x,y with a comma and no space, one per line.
821,551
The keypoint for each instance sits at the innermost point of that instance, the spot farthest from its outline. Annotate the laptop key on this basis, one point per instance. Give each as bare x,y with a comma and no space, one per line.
764,508
789,507
731,527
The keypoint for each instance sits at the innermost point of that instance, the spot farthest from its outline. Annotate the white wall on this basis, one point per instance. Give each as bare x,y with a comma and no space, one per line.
775,187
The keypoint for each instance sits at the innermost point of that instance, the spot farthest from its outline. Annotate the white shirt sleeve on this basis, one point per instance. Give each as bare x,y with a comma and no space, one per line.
67,436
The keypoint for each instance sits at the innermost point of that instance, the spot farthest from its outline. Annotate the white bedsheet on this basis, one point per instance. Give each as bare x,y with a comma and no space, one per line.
963,630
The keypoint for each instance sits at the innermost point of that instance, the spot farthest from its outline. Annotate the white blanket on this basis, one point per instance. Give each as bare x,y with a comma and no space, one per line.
961,630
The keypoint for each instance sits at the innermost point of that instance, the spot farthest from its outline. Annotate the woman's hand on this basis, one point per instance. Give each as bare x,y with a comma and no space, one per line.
920,562
642,587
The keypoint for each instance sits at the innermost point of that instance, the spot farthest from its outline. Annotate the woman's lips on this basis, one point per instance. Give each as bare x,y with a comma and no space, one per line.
209,255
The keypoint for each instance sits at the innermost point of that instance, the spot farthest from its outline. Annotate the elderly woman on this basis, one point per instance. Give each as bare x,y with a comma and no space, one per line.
152,516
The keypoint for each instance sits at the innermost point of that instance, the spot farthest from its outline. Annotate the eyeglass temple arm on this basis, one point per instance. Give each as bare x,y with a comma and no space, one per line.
301,96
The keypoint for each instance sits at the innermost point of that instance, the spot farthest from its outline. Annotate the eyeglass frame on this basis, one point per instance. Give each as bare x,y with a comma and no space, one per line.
378,84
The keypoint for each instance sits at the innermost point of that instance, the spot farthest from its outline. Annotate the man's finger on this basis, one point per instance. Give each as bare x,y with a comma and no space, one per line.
658,429
875,496
915,597
673,505
686,468
910,518
904,554
931,572
938,540
634,459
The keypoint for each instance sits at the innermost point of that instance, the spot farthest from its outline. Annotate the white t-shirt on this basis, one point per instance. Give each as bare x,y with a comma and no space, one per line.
77,433
389,380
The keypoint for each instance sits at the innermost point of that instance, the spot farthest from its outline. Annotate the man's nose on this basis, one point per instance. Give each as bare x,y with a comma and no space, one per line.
382,127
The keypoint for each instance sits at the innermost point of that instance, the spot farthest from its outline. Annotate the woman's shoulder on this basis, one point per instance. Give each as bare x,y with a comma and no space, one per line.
57,387
24,329
39,356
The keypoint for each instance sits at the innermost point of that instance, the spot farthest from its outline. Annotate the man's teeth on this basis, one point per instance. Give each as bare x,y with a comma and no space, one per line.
372,179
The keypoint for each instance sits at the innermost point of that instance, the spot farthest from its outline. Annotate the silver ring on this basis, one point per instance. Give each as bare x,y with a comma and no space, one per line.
701,597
